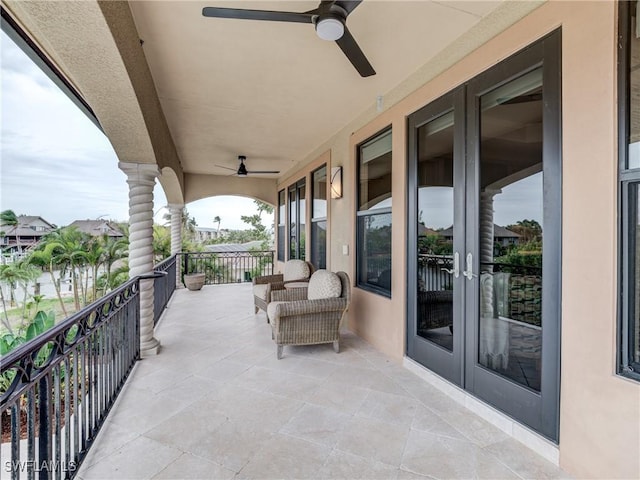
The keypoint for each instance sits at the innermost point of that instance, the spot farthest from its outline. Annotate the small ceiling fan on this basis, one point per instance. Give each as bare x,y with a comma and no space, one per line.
242,169
329,20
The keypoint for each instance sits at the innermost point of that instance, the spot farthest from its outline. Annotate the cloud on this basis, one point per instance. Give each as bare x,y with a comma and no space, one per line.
55,163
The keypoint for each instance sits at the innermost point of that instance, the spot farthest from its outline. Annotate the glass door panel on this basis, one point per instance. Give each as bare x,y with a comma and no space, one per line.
435,231
436,235
511,230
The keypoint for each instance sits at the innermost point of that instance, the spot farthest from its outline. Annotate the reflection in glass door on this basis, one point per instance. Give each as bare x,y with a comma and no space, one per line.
437,204
511,230
435,231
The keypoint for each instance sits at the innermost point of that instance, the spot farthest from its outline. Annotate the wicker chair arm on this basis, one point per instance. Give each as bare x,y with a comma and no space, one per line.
290,295
274,286
305,307
305,280
267,279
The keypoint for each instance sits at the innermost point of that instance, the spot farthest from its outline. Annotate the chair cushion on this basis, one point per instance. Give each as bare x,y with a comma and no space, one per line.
260,291
296,270
271,310
324,284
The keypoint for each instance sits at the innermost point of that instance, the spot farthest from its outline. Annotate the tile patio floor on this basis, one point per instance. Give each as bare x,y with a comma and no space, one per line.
216,403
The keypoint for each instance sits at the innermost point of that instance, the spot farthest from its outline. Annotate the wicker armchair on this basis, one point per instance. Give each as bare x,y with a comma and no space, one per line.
296,320
294,271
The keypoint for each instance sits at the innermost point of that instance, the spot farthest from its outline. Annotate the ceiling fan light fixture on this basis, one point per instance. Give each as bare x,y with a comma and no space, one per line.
330,28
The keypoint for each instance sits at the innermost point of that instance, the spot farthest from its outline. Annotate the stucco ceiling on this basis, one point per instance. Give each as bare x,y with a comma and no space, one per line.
274,91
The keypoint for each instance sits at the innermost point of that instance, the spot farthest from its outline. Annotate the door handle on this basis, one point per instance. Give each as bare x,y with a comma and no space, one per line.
469,271
455,271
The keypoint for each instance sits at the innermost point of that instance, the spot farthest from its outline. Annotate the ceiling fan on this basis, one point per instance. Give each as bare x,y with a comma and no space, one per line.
329,19
242,169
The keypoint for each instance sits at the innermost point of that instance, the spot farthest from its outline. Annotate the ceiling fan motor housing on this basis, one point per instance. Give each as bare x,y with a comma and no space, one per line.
242,169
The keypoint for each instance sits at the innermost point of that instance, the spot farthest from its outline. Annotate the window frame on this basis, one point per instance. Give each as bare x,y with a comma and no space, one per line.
282,222
295,188
628,188
315,219
370,287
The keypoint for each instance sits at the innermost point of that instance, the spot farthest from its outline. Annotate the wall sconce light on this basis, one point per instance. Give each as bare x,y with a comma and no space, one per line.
336,182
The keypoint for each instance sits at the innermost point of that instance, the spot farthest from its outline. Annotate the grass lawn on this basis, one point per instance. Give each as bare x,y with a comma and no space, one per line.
17,321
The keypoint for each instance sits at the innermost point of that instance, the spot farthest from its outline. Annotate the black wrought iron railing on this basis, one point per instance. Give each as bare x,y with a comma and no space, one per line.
163,285
433,272
61,385
228,267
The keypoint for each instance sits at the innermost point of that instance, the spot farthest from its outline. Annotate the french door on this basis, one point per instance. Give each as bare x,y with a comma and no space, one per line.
484,236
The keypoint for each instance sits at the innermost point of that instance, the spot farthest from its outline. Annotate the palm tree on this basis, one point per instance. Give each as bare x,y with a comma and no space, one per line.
16,274
188,225
94,256
161,242
69,254
217,220
44,257
5,320
114,249
9,276
10,219
27,274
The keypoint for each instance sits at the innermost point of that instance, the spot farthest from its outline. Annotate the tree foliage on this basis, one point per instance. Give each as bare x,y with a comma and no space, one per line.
529,230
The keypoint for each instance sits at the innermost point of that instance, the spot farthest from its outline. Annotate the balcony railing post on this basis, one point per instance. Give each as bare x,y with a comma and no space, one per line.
44,429
185,264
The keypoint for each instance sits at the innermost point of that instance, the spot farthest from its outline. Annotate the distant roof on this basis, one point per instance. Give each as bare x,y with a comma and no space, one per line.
498,232
23,231
502,232
422,230
26,220
97,227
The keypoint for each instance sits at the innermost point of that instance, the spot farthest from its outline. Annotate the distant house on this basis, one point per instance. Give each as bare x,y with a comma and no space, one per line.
203,234
25,235
98,228
424,231
501,235
238,262
229,248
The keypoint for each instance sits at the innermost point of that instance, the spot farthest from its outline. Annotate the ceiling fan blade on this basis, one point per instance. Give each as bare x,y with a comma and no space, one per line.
348,5
355,55
269,15
222,166
253,172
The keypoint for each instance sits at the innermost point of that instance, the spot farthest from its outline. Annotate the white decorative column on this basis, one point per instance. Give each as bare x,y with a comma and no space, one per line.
494,332
486,252
141,179
176,234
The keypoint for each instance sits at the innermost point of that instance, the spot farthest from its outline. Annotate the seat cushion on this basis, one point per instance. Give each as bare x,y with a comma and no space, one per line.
260,291
324,284
296,270
271,310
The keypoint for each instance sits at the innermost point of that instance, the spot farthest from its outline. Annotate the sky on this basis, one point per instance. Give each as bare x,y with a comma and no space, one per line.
56,164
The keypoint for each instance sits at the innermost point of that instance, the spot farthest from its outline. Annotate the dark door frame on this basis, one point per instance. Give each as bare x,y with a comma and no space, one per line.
538,410
445,363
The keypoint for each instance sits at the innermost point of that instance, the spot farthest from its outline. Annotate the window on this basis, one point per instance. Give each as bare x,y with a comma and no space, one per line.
629,159
282,218
297,206
319,218
373,234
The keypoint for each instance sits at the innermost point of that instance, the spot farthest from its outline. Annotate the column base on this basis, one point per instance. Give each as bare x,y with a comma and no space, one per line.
150,348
